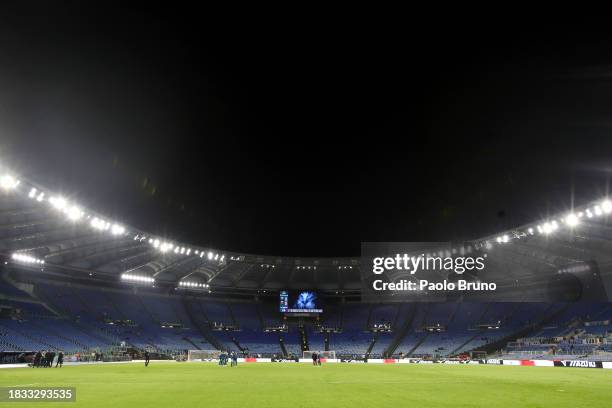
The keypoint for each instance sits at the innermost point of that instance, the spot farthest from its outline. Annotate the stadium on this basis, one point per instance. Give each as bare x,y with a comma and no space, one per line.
103,294
188,220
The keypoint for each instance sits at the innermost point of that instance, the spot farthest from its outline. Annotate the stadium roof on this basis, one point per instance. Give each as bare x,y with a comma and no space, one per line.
42,230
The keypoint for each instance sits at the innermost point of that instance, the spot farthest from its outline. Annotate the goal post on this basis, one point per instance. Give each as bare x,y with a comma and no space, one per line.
203,355
330,354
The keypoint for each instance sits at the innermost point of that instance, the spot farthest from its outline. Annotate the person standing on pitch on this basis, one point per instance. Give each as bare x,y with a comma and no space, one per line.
314,358
146,356
234,359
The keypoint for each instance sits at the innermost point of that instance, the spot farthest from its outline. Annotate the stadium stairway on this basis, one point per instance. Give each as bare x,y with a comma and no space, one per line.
372,343
233,317
282,346
152,316
465,343
369,321
417,344
304,339
411,311
523,332
237,343
260,316
188,340
203,330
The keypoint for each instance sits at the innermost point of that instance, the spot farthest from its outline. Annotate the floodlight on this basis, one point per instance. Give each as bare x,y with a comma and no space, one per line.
117,229
58,202
8,182
74,213
597,210
572,220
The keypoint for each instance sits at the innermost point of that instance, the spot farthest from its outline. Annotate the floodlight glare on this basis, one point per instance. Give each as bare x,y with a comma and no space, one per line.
547,228
597,210
58,202
117,229
74,213
572,220
8,182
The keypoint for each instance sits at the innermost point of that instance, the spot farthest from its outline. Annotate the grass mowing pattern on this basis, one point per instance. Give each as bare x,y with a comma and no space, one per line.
256,385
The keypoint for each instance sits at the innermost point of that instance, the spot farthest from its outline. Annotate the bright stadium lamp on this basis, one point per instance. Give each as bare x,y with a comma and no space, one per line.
58,202
117,229
606,206
572,220
74,213
597,210
8,182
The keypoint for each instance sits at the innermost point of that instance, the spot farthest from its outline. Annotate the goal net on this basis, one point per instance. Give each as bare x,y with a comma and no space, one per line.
330,354
203,355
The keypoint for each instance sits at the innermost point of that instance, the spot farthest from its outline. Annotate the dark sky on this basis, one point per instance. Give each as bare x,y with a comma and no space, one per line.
303,138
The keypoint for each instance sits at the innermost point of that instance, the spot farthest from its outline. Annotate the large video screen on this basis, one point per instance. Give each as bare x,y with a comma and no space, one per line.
302,301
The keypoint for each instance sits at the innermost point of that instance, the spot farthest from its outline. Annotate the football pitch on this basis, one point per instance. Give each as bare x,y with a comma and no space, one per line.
333,385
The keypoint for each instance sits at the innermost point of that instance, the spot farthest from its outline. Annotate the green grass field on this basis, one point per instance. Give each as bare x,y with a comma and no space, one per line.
333,385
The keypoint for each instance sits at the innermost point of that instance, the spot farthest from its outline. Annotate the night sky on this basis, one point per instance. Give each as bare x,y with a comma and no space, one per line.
303,139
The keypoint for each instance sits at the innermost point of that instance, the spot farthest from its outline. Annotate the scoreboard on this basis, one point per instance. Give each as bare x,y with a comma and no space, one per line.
300,302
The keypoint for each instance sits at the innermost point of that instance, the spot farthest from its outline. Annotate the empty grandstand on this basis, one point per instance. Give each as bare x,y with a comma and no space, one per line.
75,281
